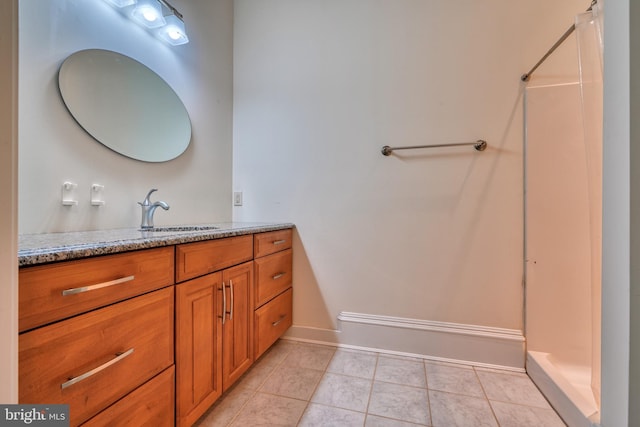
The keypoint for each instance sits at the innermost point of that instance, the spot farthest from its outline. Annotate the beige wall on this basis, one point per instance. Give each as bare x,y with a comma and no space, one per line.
8,201
54,149
320,87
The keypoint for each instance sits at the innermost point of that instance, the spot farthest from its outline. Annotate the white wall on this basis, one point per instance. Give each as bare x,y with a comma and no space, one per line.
54,149
320,87
8,201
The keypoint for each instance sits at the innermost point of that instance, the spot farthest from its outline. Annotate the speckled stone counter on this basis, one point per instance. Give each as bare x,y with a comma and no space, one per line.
42,248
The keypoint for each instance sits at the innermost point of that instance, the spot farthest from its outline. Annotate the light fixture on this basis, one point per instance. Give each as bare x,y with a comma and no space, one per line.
174,32
148,13
151,14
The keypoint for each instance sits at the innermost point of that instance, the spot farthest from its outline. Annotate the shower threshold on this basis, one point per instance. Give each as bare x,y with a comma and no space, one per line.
569,394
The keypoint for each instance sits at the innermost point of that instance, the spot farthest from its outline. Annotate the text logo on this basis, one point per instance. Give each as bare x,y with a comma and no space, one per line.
34,415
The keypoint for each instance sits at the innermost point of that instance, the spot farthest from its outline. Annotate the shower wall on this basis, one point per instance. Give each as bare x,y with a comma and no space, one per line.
558,254
562,257
558,316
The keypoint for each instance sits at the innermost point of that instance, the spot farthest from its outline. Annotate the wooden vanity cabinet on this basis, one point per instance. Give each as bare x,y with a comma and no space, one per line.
93,360
155,336
273,296
214,319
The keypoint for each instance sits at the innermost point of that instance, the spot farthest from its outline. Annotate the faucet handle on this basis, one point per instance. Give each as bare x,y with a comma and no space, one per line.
147,201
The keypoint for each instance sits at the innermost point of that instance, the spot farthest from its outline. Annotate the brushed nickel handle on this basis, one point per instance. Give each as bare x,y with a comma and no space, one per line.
277,322
74,380
231,291
277,276
279,242
97,286
224,302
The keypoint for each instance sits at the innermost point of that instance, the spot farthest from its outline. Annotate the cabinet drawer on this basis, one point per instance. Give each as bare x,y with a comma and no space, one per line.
92,360
271,242
151,404
273,275
56,291
272,320
200,258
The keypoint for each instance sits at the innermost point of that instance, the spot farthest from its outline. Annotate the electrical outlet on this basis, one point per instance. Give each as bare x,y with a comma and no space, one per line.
237,198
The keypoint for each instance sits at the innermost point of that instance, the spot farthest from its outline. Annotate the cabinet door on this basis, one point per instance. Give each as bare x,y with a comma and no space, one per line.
238,323
198,346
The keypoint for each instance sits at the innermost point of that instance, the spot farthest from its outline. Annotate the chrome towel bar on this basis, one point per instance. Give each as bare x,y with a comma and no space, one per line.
479,145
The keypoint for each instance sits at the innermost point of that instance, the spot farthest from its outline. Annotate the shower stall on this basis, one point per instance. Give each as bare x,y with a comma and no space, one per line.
563,221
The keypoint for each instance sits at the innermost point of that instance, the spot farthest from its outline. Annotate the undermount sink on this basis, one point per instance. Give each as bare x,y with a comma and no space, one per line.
181,228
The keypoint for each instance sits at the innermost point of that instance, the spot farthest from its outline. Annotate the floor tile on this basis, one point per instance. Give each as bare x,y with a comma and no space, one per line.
322,416
376,421
512,389
511,415
353,363
401,371
302,384
399,402
269,410
452,379
226,408
456,410
343,392
310,356
258,374
278,351
292,381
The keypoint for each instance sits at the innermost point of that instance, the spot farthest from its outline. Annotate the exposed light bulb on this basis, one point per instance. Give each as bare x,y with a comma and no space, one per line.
148,13
174,32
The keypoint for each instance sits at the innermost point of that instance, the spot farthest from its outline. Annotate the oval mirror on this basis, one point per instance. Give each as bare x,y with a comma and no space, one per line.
124,105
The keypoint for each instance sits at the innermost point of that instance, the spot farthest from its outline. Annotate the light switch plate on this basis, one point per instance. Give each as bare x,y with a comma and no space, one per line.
237,198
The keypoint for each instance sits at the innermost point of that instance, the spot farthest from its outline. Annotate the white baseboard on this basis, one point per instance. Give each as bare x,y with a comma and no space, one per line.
443,341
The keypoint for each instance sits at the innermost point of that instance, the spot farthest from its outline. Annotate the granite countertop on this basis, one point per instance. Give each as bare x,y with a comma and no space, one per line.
42,248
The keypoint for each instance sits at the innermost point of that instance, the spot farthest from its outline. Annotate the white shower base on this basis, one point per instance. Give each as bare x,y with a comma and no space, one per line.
567,387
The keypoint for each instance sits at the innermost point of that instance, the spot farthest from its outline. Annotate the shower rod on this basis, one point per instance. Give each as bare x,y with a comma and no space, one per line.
525,77
479,145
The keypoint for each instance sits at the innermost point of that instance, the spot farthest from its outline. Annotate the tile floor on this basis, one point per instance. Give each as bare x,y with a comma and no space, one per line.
299,384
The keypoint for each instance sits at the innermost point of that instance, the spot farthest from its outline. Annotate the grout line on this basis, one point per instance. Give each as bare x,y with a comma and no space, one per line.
426,382
486,397
373,380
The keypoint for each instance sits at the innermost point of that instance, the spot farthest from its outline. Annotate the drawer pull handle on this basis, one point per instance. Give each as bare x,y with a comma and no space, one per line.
224,302
231,291
97,286
279,242
277,322
74,380
277,276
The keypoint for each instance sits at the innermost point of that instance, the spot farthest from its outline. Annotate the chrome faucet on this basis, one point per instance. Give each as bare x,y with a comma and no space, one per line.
149,208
